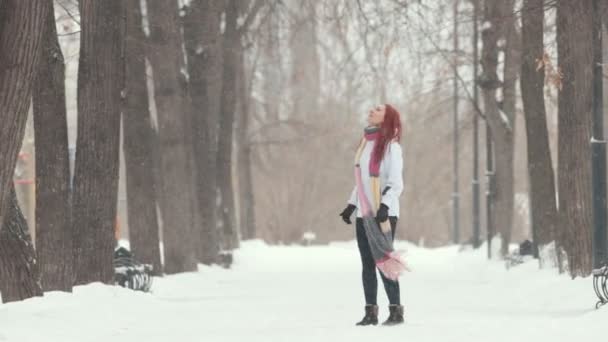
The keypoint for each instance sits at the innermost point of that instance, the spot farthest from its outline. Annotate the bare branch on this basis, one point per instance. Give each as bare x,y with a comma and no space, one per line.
257,5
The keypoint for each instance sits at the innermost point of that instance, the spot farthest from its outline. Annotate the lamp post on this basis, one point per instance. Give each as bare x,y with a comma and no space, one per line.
598,145
456,193
475,181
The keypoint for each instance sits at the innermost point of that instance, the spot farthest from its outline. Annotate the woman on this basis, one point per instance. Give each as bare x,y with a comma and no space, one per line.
378,174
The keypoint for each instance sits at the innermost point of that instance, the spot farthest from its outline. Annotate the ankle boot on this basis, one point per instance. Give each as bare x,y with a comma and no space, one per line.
396,315
371,316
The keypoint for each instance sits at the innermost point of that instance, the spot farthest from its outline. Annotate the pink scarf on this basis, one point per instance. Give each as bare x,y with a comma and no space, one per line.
372,134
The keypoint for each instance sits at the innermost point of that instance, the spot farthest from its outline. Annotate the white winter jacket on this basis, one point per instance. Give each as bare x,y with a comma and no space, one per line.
391,177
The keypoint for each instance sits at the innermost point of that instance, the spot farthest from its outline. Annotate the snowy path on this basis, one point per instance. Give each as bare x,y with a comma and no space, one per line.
313,294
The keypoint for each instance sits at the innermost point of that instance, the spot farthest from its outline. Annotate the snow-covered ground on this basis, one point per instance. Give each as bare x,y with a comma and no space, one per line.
314,294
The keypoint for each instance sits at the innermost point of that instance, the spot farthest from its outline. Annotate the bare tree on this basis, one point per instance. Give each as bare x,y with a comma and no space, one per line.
271,66
22,27
139,146
306,84
202,33
575,58
540,166
53,230
501,117
232,52
244,154
100,81
505,158
178,202
231,56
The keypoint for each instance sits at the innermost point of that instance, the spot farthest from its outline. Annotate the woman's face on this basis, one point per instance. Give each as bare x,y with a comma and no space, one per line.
376,115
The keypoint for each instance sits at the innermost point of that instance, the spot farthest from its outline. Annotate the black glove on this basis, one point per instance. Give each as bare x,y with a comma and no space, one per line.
347,212
382,214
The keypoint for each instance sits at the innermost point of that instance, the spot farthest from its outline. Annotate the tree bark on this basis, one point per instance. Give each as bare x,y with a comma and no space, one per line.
231,53
202,32
22,27
500,120
100,81
175,144
19,273
138,147
540,166
575,58
53,230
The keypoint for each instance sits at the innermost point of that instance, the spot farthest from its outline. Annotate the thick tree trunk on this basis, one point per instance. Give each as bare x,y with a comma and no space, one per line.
175,144
575,58
100,81
22,27
540,167
231,52
19,273
505,160
500,120
202,32
138,147
53,229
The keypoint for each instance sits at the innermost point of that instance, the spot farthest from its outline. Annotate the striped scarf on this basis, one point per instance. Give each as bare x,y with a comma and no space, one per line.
379,235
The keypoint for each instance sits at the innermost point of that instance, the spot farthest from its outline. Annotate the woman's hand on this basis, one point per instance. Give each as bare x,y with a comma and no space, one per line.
347,213
382,214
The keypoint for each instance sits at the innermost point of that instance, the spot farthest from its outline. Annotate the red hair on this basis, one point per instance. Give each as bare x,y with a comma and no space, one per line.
390,130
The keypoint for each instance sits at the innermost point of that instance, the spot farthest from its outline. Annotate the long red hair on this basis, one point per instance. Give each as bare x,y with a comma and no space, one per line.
390,130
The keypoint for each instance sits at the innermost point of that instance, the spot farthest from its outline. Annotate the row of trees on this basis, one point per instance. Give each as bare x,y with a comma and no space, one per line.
569,221
275,88
535,63
178,158
530,63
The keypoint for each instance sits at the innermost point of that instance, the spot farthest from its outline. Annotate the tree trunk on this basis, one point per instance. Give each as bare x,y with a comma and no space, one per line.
505,160
231,53
306,77
53,230
272,67
540,167
22,27
172,106
247,219
138,147
501,121
202,32
503,204
575,58
19,274
245,180
100,81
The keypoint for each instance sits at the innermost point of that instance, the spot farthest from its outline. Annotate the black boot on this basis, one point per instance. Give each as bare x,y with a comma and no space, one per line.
396,315
371,315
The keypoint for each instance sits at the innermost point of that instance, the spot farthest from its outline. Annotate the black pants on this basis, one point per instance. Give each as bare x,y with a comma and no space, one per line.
370,281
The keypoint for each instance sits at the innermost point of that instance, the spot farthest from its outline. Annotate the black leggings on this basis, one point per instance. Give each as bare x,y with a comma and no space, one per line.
370,282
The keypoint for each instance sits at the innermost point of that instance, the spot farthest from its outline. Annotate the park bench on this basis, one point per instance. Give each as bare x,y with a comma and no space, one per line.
129,273
600,276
